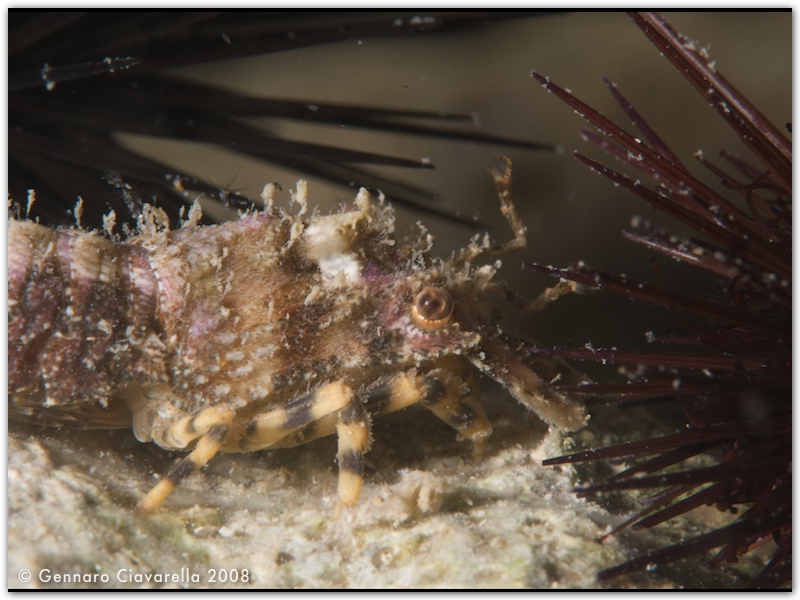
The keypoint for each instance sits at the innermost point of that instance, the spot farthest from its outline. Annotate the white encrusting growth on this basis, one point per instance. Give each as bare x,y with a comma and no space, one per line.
328,241
344,265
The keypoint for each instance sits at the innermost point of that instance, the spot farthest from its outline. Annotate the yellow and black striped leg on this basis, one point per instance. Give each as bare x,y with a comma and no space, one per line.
450,399
383,397
272,428
443,392
209,427
353,430
397,393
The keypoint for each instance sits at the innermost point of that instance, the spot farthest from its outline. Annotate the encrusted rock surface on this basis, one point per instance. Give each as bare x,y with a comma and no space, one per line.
429,516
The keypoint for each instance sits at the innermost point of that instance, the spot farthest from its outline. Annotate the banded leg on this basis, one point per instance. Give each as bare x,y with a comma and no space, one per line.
270,429
440,390
332,407
353,430
209,427
384,397
446,396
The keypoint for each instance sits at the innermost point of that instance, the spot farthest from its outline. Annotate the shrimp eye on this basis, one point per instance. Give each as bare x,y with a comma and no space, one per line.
432,308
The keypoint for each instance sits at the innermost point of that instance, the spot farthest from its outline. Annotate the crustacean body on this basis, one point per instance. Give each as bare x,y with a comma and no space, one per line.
266,332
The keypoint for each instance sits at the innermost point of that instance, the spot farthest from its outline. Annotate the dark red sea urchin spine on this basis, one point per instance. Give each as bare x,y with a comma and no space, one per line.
732,370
